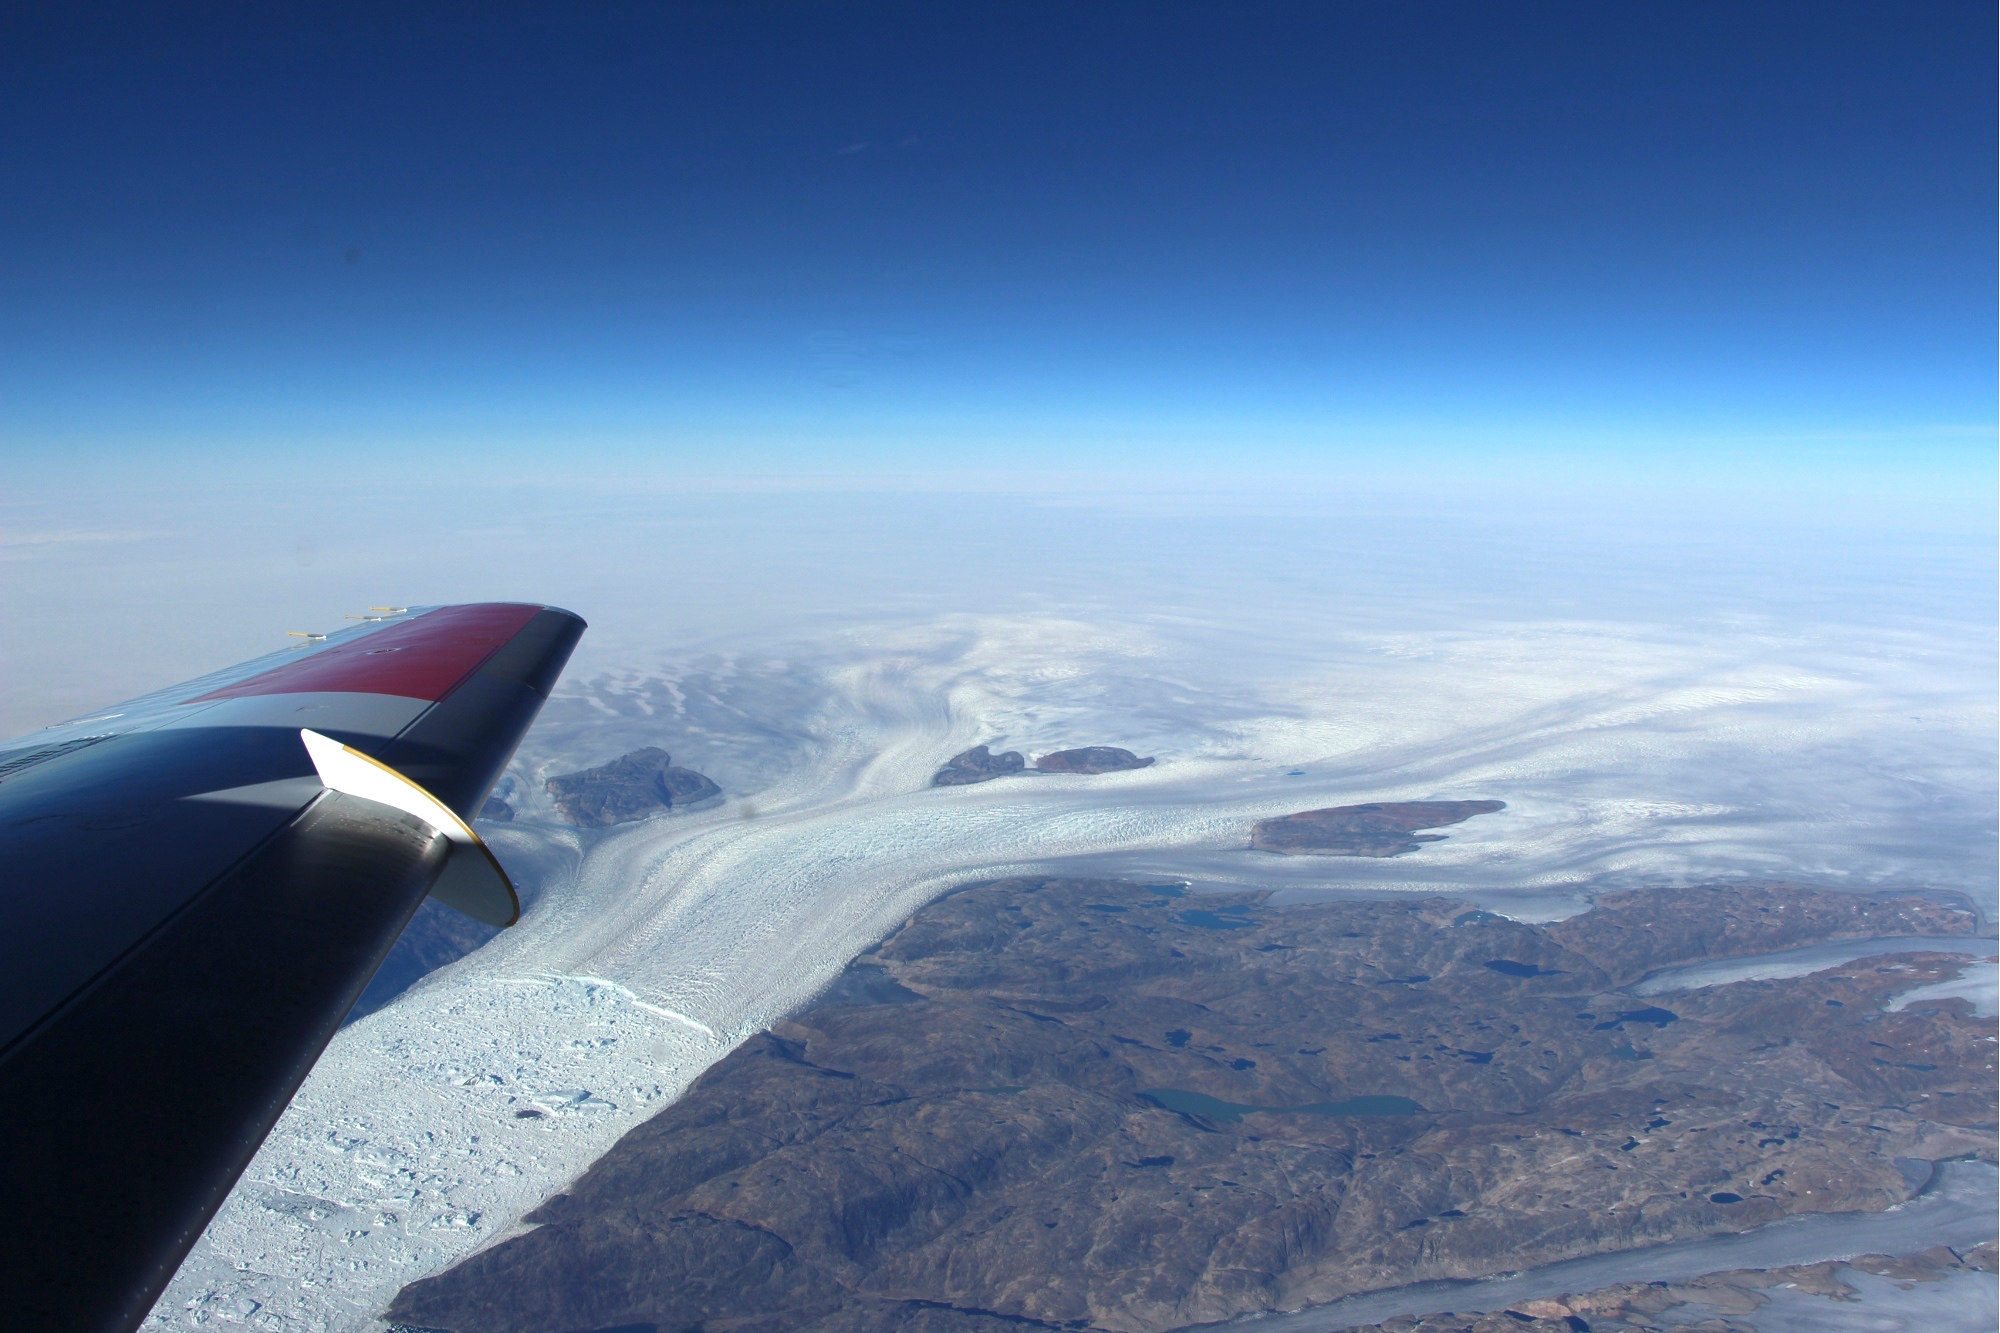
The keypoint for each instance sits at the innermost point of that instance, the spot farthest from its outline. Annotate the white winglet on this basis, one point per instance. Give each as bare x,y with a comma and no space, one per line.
473,881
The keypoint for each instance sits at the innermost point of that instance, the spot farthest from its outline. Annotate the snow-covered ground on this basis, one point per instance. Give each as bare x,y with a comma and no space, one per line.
1625,752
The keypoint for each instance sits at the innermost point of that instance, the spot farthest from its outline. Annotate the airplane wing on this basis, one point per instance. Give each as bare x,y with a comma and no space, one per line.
194,888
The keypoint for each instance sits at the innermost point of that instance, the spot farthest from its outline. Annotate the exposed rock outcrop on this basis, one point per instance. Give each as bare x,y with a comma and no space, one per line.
634,786
1387,829
978,765
1091,759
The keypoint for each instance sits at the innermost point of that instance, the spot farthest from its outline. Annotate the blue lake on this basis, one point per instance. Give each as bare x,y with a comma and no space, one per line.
1226,919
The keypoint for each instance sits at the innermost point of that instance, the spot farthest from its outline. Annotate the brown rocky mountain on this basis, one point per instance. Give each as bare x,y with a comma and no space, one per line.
1081,1104
978,765
1364,830
1091,759
1731,920
630,787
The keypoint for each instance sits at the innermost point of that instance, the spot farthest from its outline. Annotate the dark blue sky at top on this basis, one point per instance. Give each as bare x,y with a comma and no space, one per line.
865,231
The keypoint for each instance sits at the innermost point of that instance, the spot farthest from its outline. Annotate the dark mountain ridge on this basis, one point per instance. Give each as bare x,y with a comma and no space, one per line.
1088,1104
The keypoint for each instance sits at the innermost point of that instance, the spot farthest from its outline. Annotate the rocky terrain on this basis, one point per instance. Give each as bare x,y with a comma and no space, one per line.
1091,759
1364,830
1719,1303
978,765
630,787
1091,1104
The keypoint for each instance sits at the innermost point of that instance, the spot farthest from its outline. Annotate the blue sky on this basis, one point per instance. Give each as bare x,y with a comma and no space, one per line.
857,239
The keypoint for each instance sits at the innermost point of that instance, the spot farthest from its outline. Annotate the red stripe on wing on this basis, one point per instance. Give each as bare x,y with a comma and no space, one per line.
421,658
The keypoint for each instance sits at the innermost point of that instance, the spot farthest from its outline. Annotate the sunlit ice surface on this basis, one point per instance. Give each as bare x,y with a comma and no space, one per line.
1658,696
